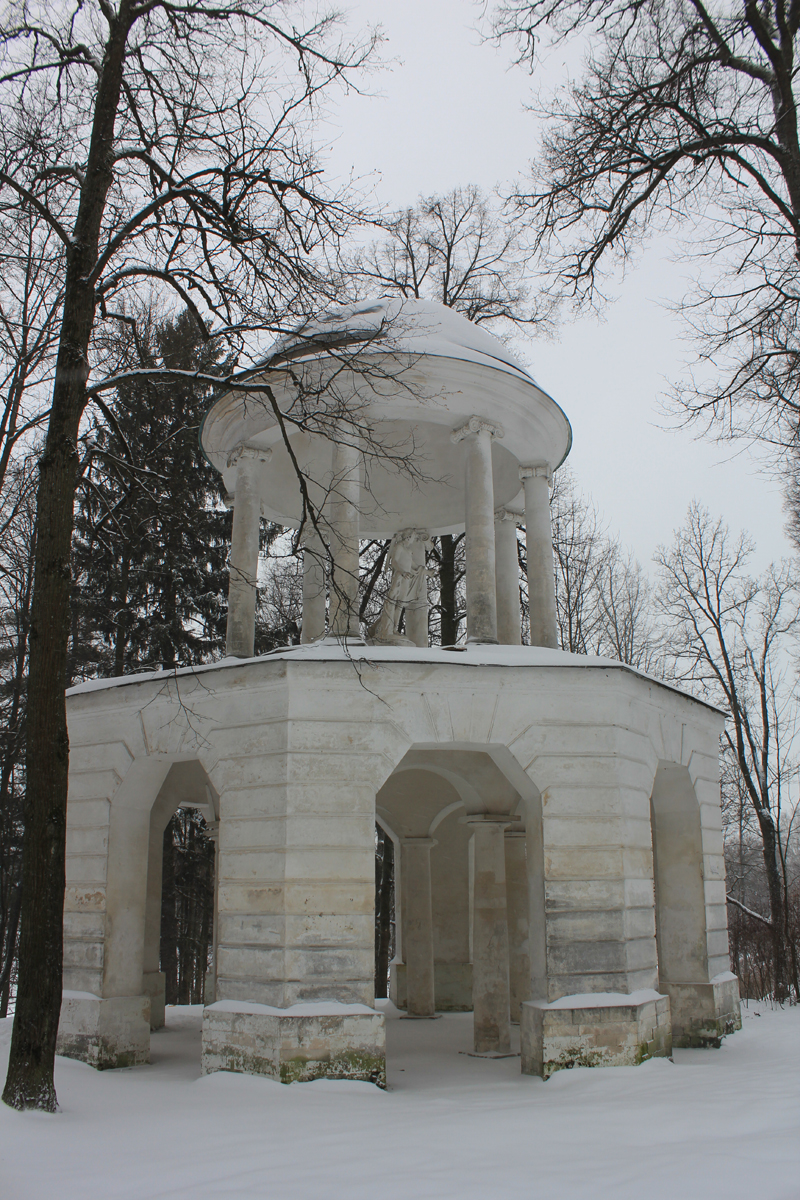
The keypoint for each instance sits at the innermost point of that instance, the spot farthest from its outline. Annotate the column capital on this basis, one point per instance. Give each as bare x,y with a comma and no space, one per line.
415,536
476,425
536,471
248,452
508,514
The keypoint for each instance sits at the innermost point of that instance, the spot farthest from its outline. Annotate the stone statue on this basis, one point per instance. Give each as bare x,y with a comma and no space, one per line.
406,561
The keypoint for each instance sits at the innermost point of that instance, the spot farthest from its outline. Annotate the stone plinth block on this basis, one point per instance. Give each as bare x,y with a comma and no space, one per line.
703,1013
112,1032
604,1030
324,1040
452,985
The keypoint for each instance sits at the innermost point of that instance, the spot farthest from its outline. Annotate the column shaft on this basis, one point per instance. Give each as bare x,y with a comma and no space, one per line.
519,963
507,575
416,618
243,565
344,523
479,519
313,588
418,926
490,982
210,981
541,574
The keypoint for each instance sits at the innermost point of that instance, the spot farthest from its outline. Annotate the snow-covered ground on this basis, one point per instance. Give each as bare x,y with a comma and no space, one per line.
711,1125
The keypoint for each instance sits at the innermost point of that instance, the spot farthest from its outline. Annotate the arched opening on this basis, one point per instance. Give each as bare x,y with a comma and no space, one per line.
678,881
465,828
169,936
188,896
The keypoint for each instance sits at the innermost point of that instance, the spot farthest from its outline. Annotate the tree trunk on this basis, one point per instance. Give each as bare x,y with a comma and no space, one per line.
777,908
9,948
447,590
384,897
29,1083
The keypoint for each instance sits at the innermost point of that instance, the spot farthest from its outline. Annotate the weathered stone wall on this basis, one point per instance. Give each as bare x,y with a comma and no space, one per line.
296,748
621,1032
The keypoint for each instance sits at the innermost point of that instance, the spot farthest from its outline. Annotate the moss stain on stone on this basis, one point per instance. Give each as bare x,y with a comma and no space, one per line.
368,1068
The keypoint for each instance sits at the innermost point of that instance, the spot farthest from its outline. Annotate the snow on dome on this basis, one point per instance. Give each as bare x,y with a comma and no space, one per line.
405,326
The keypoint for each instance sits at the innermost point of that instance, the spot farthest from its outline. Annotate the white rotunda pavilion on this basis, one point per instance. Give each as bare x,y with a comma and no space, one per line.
555,817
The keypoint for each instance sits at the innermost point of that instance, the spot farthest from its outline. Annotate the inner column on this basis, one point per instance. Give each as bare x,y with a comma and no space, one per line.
313,588
416,618
539,538
519,963
490,977
418,926
344,523
479,519
507,575
243,562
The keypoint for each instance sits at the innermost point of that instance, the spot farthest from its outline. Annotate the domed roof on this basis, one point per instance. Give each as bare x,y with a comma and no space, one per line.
399,325
406,375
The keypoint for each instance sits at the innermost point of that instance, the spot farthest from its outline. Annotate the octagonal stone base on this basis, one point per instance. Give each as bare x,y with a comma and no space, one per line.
105,1033
703,1013
293,1045
604,1030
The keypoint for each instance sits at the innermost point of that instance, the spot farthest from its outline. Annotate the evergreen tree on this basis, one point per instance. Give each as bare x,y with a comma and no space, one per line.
151,530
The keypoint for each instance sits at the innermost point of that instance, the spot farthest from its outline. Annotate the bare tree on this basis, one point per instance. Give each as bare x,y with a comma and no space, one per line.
459,250
163,144
729,636
17,505
686,118
31,281
581,549
628,629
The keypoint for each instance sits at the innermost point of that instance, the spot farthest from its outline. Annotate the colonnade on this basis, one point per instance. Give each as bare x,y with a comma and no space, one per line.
492,577
500,922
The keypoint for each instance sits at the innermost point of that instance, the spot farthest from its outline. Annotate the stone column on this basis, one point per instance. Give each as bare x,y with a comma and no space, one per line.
416,618
519,962
479,517
344,525
507,575
313,587
418,926
243,562
210,981
490,982
541,576
153,978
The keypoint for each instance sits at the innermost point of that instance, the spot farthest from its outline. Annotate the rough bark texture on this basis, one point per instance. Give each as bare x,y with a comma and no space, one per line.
29,1083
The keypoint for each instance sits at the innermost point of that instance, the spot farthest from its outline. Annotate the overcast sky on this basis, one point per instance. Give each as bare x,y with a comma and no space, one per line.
451,111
